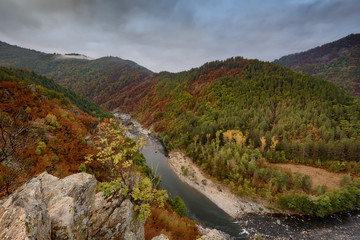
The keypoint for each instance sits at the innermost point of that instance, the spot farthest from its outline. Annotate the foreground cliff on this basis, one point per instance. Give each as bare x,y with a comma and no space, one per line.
51,208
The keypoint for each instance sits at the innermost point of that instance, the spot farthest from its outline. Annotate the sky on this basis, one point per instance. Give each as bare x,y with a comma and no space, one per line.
177,35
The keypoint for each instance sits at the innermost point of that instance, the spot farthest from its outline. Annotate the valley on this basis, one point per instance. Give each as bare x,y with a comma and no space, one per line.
243,142
253,220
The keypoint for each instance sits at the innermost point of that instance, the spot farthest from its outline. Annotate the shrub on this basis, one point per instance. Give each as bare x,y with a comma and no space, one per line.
306,183
345,180
179,206
41,146
82,167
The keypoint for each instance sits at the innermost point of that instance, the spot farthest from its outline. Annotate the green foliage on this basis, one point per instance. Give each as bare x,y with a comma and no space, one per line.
139,160
336,62
179,206
344,199
52,121
306,183
320,190
82,167
232,116
40,147
184,170
143,194
345,180
120,155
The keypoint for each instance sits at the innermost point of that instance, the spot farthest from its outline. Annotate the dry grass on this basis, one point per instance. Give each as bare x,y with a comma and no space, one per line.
318,176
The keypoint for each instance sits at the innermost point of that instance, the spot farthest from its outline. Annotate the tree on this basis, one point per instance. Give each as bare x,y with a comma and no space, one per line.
14,138
179,206
116,152
12,133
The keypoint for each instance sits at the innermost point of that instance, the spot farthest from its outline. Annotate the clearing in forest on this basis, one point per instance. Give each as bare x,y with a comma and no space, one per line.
318,176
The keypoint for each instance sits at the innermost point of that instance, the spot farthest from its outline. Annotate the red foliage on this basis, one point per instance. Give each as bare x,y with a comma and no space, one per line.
65,143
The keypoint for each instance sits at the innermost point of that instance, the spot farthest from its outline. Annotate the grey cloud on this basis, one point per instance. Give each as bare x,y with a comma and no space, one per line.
176,35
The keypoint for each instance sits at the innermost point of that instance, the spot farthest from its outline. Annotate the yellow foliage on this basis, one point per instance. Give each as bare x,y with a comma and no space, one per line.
234,135
274,142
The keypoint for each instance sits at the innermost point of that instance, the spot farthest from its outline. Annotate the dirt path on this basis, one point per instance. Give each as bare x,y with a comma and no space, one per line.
318,176
224,199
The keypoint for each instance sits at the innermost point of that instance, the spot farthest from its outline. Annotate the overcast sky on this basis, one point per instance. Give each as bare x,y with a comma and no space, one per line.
176,35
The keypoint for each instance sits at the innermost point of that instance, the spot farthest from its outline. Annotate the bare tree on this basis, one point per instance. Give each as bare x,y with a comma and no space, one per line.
13,139
13,136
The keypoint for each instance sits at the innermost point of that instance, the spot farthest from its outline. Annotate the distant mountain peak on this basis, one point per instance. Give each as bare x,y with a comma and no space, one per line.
337,62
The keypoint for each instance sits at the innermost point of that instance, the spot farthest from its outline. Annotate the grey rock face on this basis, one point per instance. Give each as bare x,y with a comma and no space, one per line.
51,208
114,218
24,214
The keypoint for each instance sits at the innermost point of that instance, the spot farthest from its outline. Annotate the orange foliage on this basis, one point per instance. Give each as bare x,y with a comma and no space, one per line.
164,221
62,130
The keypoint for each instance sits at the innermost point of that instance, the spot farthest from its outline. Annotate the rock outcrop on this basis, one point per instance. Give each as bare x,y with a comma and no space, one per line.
115,219
47,207
212,234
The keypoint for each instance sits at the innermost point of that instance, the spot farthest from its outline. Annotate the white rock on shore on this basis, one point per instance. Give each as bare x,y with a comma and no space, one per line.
220,195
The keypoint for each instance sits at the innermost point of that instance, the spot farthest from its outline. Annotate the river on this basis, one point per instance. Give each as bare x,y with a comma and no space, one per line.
270,226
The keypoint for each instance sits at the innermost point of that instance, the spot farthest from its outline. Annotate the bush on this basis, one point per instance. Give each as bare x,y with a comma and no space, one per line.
82,167
344,199
179,206
41,147
345,180
306,183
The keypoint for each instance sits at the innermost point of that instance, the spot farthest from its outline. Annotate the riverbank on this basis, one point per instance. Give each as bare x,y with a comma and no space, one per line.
191,174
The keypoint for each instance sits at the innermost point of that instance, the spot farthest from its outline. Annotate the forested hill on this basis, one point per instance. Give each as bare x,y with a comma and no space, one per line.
337,62
52,89
97,80
311,119
235,118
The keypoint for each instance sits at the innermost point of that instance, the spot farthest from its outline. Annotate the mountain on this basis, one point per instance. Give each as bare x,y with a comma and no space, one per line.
53,89
96,80
235,118
337,62
311,118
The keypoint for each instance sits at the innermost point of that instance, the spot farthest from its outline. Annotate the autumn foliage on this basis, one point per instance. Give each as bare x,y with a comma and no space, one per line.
165,221
55,135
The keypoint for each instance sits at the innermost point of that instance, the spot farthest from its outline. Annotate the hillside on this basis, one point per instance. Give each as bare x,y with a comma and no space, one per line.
96,80
234,117
40,130
53,89
337,62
